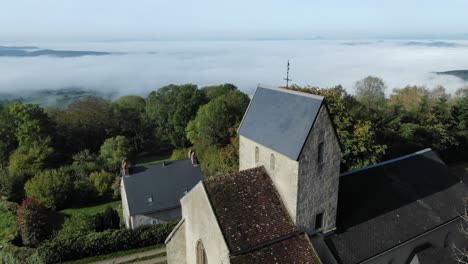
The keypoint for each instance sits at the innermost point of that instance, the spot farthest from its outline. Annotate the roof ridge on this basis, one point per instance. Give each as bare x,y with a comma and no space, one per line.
417,153
285,90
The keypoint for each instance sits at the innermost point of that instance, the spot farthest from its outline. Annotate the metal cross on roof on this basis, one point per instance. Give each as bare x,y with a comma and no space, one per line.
287,76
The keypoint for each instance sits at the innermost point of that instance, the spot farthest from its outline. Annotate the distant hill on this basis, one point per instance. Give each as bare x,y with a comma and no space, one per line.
31,51
440,44
61,98
463,74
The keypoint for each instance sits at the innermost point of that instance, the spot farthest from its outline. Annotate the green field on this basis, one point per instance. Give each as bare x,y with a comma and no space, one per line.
92,210
7,222
149,159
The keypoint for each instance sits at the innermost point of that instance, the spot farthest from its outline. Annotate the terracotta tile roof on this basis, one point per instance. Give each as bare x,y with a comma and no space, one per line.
293,250
249,209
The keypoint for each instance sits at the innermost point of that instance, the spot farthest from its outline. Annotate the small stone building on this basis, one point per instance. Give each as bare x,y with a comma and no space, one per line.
151,194
290,204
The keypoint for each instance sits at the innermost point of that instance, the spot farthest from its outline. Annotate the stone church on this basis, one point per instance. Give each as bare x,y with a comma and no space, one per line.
289,203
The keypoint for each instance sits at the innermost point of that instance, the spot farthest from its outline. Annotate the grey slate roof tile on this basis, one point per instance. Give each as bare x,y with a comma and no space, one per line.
280,119
166,184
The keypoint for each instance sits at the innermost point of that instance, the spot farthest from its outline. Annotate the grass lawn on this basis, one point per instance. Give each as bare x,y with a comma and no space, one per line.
94,209
115,254
151,159
7,222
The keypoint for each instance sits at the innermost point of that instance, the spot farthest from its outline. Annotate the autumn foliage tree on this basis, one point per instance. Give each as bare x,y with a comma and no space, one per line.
31,222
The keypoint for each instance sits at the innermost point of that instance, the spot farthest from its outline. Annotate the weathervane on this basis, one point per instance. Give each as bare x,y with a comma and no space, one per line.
287,76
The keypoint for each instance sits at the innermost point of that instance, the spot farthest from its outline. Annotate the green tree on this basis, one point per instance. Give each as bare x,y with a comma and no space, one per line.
357,137
31,157
170,108
32,124
51,188
114,150
214,120
215,91
31,222
102,181
12,184
370,91
84,125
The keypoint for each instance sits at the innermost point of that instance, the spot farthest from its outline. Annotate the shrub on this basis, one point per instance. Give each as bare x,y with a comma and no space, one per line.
31,158
51,188
109,219
73,247
179,154
12,184
78,225
31,222
102,181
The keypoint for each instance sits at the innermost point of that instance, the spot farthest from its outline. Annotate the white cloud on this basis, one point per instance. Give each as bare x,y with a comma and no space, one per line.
147,66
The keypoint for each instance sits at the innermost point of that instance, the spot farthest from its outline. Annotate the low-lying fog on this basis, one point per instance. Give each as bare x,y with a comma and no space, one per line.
139,67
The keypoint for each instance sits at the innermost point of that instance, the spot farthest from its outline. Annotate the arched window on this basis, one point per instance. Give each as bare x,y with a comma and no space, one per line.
272,162
201,254
257,155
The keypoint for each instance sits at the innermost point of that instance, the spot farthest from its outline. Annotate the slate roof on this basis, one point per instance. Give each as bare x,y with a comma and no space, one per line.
295,250
248,209
280,119
389,203
166,184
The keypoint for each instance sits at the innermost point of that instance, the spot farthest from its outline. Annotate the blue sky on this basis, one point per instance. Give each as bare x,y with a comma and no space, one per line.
234,19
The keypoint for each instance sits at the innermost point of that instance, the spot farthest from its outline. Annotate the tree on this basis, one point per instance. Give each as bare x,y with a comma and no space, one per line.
102,181
85,125
31,157
31,222
370,91
109,219
215,91
357,136
114,150
12,184
32,124
171,108
214,120
51,188
409,98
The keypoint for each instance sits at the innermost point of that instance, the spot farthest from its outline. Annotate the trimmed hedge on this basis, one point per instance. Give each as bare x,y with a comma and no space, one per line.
99,243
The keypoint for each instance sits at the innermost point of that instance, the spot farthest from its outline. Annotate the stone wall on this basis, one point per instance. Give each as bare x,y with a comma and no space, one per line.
318,183
284,175
175,246
156,218
125,211
201,225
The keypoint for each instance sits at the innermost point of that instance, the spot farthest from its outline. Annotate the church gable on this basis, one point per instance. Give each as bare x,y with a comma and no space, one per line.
280,119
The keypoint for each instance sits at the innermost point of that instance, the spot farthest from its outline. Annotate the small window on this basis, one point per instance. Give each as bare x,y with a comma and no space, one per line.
257,155
318,222
320,153
272,162
149,199
201,254
154,221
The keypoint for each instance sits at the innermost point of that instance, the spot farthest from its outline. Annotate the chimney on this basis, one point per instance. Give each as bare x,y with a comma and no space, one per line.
194,159
125,171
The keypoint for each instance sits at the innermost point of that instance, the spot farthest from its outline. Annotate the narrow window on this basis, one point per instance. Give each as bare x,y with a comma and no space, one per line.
320,153
272,162
318,222
257,155
149,199
201,254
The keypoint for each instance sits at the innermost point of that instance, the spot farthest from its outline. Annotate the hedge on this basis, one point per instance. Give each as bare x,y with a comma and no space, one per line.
99,243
